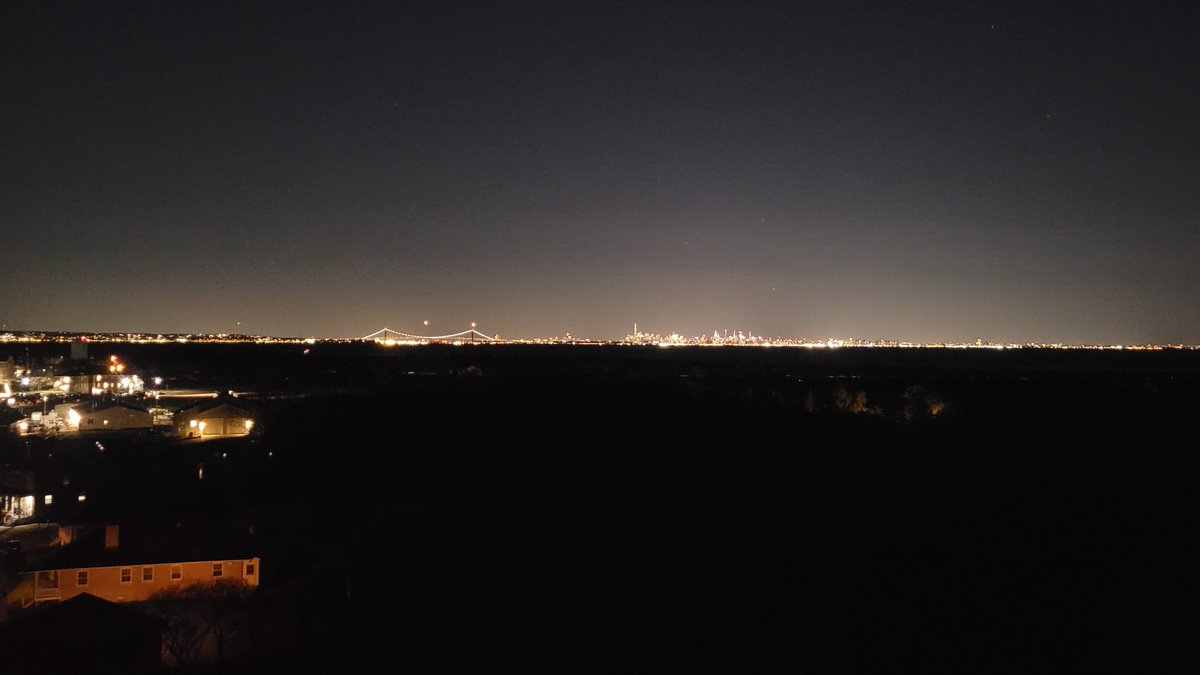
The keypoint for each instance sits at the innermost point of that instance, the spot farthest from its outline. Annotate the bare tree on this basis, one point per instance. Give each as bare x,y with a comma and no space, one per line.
196,613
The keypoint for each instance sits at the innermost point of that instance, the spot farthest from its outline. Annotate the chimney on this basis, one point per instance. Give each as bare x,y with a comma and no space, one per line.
112,536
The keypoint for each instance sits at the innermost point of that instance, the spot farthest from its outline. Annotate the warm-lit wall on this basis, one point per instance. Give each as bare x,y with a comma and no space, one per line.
214,426
111,419
225,426
105,582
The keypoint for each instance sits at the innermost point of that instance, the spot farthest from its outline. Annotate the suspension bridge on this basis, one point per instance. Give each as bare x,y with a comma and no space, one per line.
387,335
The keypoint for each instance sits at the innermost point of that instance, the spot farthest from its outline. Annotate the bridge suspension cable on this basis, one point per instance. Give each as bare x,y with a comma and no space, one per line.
384,334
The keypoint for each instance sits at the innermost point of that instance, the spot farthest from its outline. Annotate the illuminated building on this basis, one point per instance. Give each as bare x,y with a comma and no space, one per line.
16,496
113,417
215,419
130,564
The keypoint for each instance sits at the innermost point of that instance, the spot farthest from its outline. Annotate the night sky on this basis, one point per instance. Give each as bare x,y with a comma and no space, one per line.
998,170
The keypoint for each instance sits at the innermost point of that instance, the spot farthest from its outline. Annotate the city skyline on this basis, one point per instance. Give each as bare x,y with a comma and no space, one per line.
1016,174
389,337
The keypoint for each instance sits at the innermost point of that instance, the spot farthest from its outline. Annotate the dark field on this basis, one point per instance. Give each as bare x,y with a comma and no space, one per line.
620,509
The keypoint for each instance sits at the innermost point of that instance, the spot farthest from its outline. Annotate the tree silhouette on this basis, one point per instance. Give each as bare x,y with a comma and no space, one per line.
841,398
197,612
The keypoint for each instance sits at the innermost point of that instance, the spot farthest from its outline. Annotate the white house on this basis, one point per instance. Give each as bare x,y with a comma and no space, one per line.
113,417
214,420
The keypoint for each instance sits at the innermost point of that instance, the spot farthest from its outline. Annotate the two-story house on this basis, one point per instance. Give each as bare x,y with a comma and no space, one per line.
130,564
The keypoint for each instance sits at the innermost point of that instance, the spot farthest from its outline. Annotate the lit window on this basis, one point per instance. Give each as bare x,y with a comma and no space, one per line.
147,574
176,572
126,575
81,578
217,569
48,499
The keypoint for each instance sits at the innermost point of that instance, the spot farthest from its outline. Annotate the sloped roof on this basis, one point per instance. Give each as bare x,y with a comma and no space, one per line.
149,544
89,612
94,407
215,406
85,634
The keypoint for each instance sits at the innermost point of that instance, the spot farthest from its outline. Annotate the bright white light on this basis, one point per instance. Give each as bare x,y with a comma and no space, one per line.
157,381
48,499
82,498
73,417
23,426
25,381
192,424
12,401
249,425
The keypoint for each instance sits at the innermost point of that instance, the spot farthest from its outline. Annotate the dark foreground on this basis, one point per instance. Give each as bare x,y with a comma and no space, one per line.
649,510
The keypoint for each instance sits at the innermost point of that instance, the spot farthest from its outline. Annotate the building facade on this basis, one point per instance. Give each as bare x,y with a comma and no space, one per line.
136,582
118,568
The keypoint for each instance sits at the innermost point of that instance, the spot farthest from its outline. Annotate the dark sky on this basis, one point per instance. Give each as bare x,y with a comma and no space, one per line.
961,170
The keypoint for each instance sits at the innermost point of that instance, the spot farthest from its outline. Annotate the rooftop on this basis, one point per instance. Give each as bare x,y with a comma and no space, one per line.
147,544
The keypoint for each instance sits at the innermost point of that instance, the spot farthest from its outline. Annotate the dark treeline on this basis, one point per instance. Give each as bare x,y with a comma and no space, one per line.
340,367
642,510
